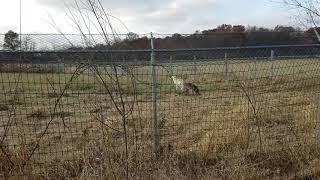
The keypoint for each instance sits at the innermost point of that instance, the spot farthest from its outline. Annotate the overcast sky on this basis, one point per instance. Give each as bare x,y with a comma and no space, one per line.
143,16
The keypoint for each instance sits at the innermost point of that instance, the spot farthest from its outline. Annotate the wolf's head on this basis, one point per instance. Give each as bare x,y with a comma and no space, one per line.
177,80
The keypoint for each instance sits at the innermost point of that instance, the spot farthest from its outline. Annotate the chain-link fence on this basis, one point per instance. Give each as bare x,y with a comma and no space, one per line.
250,112
204,39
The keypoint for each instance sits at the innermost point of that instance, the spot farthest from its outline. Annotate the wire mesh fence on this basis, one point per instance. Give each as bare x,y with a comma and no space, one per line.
52,42
251,111
133,41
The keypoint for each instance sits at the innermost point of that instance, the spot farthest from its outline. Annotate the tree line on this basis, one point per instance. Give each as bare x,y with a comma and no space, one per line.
224,35
12,42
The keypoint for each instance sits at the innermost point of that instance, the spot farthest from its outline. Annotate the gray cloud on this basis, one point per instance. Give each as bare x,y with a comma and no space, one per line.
169,16
4,29
181,16
111,5
161,16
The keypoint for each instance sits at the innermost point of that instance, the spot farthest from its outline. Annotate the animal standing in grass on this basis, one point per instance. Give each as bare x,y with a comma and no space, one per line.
184,87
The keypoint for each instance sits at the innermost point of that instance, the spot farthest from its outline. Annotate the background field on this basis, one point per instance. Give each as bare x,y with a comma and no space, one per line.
254,119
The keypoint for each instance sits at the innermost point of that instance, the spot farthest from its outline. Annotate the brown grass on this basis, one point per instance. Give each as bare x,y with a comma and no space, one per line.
4,107
29,68
261,129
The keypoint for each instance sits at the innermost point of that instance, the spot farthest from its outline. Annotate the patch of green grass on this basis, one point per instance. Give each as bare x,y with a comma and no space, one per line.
39,114
62,114
81,87
4,107
56,95
14,102
211,87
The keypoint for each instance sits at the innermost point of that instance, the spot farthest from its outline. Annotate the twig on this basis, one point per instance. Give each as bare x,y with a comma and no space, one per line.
54,91
257,118
74,74
103,123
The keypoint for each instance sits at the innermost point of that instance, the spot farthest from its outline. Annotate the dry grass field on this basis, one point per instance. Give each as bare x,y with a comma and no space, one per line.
259,120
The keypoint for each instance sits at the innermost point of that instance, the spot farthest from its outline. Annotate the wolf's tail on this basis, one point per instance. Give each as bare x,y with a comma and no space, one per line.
196,89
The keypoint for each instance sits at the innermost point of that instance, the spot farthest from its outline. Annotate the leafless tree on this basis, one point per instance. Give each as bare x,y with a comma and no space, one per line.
27,44
308,13
89,17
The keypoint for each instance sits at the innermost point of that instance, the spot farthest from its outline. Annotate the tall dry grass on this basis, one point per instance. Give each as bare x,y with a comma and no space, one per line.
269,132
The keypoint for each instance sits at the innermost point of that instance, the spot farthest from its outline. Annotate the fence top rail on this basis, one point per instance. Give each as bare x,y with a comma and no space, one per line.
148,33
161,50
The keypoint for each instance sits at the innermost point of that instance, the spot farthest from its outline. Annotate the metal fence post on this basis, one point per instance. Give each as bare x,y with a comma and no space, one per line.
154,98
255,67
226,65
171,66
271,58
194,65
